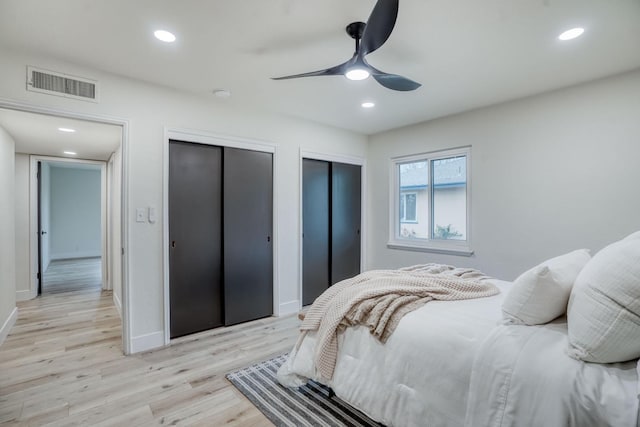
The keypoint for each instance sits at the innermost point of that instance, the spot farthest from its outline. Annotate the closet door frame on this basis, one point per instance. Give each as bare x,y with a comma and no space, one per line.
340,158
201,137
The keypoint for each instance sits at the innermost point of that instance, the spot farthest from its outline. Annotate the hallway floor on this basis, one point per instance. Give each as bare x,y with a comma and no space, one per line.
62,365
68,275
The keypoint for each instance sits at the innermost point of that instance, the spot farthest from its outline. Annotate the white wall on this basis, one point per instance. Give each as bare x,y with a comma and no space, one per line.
8,310
148,110
550,174
23,278
75,221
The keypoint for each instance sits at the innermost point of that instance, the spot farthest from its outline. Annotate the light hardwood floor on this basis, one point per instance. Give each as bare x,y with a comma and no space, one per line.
62,365
66,275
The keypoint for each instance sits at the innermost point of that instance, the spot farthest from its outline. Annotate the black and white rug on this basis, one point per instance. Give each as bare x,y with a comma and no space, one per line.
309,405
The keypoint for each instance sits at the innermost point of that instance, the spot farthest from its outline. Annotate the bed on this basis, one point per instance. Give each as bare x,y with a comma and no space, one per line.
455,363
529,376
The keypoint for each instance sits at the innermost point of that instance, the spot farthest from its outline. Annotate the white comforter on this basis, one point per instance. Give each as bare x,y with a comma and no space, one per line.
420,377
523,376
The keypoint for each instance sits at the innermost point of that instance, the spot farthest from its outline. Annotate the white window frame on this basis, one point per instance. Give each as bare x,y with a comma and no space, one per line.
396,241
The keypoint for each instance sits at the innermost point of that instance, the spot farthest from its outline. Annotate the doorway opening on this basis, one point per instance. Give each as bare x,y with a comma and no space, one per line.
66,142
70,222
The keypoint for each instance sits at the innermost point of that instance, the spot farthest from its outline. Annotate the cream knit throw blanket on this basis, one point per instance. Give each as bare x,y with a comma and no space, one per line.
379,299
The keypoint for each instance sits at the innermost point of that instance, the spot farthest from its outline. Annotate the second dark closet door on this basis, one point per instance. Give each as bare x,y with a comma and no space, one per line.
247,225
316,231
345,221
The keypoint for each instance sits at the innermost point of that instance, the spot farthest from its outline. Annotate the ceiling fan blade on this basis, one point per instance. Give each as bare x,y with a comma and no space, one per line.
379,26
396,82
333,71
392,81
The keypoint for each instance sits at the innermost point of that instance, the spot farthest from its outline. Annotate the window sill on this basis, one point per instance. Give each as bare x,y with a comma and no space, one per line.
405,246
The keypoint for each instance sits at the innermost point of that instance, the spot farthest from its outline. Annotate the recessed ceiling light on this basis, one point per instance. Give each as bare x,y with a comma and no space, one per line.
164,36
571,34
68,130
71,153
368,105
222,93
357,74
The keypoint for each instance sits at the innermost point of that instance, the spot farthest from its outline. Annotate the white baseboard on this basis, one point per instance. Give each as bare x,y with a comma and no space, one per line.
118,304
289,307
72,255
147,342
26,295
8,324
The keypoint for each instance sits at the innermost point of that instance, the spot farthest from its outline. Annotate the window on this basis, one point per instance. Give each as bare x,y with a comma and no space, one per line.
408,207
430,202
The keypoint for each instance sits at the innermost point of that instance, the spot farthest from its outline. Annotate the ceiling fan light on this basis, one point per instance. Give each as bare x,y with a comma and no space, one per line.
357,74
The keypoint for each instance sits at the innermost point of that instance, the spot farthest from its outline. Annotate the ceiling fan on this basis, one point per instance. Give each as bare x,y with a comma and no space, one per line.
369,37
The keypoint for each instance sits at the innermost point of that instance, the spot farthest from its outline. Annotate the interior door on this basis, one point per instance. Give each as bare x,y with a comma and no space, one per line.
248,225
195,236
345,221
40,230
315,229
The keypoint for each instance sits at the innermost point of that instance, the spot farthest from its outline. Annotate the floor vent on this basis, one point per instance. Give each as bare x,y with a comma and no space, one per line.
59,84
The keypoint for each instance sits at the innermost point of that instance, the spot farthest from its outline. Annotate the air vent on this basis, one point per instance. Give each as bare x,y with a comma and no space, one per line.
59,84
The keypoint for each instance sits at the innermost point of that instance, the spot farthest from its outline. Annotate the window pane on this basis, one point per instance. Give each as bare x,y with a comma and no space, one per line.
450,198
410,207
414,200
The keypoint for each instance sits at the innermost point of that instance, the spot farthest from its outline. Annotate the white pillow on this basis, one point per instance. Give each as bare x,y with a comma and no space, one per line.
541,294
604,311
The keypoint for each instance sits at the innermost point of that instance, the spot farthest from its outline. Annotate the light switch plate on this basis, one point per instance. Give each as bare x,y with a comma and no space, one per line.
152,215
141,215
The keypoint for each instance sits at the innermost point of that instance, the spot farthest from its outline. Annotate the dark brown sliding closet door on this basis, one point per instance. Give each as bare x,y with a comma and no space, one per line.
345,221
247,224
195,236
315,229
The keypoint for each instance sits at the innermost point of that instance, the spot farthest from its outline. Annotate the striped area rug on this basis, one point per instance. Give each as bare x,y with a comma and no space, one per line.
308,406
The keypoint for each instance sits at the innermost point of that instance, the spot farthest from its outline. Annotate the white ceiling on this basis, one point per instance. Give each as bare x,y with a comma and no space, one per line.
39,134
466,53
